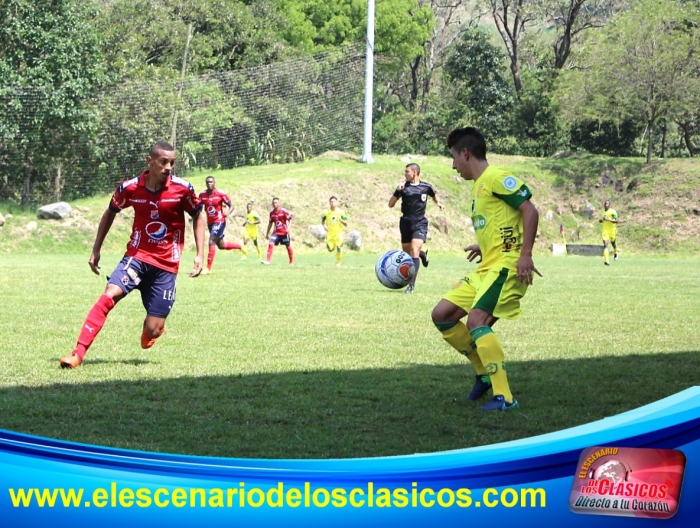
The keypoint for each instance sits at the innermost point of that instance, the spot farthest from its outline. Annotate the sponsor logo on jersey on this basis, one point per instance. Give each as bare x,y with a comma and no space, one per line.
136,239
211,210
479,222
176,246
156,230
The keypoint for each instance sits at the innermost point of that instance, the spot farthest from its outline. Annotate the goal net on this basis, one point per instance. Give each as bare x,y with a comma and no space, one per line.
280,113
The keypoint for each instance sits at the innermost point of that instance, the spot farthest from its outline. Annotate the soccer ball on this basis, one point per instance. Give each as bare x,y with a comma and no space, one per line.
395,269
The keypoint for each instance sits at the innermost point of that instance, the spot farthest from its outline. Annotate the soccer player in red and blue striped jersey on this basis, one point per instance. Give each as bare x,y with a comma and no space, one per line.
160,200
214,201
281,220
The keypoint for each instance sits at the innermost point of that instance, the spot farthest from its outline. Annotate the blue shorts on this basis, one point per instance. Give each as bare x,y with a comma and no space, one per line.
217,229
280,239
157,286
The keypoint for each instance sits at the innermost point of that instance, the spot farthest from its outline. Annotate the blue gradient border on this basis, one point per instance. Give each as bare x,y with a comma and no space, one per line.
548,462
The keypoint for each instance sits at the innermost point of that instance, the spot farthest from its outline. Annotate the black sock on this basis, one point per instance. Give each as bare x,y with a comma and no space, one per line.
416,264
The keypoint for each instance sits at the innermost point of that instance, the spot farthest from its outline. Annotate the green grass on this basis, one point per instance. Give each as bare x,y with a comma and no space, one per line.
318,362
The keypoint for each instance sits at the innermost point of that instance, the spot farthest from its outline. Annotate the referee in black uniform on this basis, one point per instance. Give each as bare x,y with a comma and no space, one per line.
413,223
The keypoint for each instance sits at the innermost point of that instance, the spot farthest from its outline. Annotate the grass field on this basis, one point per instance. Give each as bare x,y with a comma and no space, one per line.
318,362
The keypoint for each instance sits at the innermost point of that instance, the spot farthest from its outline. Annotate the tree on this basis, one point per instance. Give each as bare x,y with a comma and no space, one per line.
50,65
512,19
640,65
480,92
227,35
569,19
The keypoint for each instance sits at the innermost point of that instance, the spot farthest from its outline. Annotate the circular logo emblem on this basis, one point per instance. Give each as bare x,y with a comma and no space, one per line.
510,183
211,210
404,270
156,230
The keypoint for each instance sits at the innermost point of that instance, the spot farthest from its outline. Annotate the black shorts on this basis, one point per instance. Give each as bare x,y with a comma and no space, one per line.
413,228
280,239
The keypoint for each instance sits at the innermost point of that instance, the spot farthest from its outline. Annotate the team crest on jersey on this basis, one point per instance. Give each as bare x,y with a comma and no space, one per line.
510,183
154,215
423,197
479,190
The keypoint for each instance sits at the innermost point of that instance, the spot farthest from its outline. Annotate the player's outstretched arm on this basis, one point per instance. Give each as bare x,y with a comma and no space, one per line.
105,225
526,267
438,202
198,229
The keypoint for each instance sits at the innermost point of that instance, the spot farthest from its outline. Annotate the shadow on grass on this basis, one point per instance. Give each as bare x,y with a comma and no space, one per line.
340,414
131,362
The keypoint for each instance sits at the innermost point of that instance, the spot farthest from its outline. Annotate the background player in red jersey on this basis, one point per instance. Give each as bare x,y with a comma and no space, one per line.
153,253
213,201
281,219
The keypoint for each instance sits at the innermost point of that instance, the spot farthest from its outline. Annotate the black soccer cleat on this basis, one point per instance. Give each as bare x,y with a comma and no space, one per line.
424,258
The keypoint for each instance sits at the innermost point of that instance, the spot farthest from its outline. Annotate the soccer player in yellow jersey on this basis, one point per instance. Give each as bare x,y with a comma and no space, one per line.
609,221
334,221
505,223
252,221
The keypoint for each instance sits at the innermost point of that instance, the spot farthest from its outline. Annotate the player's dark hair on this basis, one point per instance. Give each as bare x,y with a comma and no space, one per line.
210,178
468,138
415,167
332,198
275,198
160,145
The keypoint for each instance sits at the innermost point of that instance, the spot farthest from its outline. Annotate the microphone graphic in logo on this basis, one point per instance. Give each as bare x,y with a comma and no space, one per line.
156,230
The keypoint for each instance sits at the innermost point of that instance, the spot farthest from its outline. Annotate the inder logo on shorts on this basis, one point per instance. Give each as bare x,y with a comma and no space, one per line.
628,481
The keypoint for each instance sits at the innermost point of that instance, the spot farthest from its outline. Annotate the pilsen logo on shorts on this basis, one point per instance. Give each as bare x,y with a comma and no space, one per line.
157,235
628,482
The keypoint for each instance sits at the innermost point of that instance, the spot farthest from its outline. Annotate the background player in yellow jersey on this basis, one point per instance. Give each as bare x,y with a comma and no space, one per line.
505,224
334,222
609,221
252,221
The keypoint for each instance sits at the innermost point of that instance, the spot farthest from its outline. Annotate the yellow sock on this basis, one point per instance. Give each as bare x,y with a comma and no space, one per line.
459,338
491,354
606,254
257,248
338,256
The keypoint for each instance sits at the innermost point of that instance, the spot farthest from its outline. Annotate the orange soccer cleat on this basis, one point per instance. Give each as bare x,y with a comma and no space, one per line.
72,361
148,342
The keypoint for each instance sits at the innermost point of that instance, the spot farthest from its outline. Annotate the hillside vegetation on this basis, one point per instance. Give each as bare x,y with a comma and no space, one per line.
658,204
